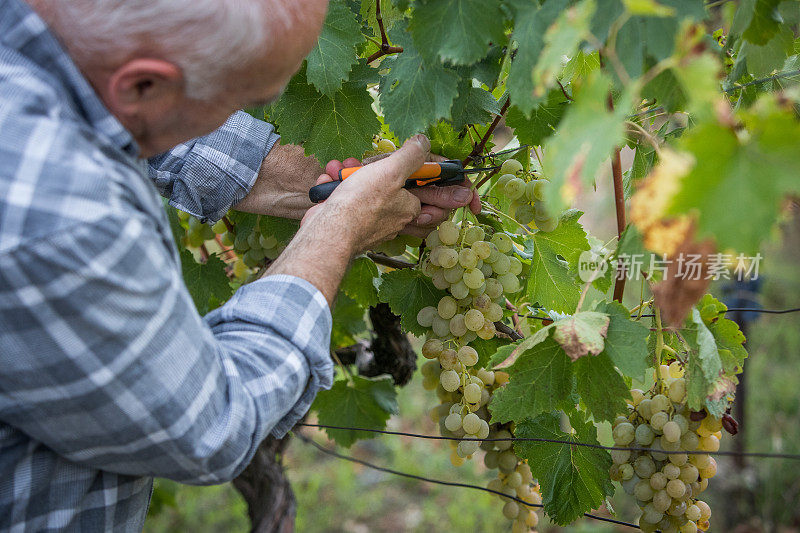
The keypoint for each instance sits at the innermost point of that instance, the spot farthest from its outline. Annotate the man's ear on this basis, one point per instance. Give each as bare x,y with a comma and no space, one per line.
144,88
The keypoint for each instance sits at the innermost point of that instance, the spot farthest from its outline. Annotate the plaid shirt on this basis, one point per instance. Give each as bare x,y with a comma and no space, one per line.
108,375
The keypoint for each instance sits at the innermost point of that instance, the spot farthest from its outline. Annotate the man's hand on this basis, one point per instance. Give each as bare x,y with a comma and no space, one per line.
436,201
370,206
286,175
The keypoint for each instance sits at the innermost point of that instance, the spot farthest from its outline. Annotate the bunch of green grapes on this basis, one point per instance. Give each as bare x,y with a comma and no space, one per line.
666,486
476,273
464,391
527,194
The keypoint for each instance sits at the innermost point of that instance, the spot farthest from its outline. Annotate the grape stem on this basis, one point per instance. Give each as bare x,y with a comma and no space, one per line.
500,213
390,261
659,347
481,146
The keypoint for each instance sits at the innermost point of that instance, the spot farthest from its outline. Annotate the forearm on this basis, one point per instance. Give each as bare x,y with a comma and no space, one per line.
319,253
281,188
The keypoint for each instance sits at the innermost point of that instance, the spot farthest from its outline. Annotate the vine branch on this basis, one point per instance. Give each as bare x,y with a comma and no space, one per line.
478,150
619,205
389,261
385,47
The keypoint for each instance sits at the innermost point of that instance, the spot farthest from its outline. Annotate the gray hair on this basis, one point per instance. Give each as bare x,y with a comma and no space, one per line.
207,39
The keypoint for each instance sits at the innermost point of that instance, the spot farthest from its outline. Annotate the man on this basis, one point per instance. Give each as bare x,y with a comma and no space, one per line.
108,375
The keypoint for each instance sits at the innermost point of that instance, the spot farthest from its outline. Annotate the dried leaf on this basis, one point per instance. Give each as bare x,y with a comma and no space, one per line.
582,333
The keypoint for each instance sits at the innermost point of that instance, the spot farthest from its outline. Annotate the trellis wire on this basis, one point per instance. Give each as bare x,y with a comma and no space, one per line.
373,466
728,310
763,455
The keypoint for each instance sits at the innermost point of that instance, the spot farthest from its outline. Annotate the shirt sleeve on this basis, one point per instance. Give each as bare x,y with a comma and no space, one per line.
208,175
105,360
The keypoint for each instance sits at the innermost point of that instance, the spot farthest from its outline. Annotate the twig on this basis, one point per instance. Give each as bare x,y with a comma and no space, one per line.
204,252
619,204
228,225
508,331
563,90
774,77
385,47
478,150
389,261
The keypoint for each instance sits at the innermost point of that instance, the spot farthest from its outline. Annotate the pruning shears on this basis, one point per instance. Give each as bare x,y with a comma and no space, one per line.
450,172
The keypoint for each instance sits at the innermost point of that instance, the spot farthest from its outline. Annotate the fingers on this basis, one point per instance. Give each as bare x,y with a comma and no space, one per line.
475,203
333,167
324,178
409,158
445,197
351,162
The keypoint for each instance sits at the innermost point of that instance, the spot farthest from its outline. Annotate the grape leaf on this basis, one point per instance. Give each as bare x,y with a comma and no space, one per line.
329,127
704,365
458,31
626,341
331,60
574,479
348,321
732,177
407,291
552,279
763,60
448,142
759,19
282,229
587,136
472,106
358,402
581,334
542,122
666,90
601,387
415,93
487,348
359,282
178,232
531,23
207,282
540,380
728,336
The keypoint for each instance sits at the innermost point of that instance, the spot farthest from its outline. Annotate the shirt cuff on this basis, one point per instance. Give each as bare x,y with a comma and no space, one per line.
295,310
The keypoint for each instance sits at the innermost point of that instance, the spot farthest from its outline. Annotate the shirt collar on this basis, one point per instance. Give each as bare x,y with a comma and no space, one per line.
24,31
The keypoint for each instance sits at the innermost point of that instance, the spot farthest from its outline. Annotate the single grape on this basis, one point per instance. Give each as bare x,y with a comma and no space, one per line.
448,233
658,420
688,473
425,316
637,396
457,325
473,278
219,227
502,265
644,435
530,189
459,290
471,423
546,224
454,274
510,283
440,326
709,444
524,213
644,466
468,355
511,510
482,249
239,268
447,307
672,431
450,380
467,447
488,331
494,313
660,403
661,500
430,368
500,184
511,166
494,289
467,258
643,491
447,257
677,390
671,471
432,348
514,266
473,234
453,422
386,146
483,431
623,434
508,460
676,488
693,513
658,480
472,393
502,242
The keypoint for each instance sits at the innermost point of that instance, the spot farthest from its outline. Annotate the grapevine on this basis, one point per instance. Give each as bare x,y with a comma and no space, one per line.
515,340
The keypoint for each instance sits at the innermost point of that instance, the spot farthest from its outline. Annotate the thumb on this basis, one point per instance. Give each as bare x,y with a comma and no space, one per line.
408,159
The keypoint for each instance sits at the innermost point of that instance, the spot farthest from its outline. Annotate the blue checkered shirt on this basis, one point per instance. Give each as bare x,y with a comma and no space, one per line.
108,375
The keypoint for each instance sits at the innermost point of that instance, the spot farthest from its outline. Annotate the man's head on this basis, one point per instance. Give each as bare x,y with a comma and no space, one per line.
171,70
